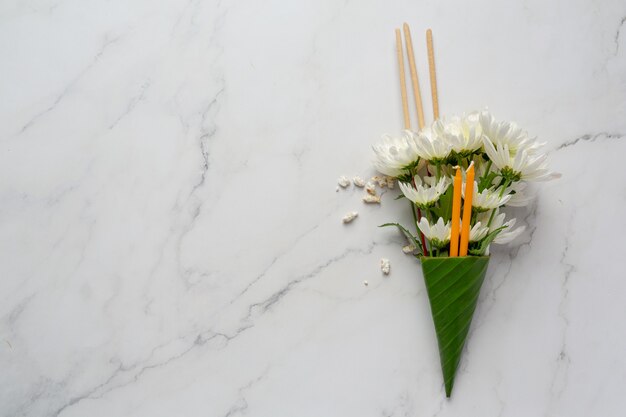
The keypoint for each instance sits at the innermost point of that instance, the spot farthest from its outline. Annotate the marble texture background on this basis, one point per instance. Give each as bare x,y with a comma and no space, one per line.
171,240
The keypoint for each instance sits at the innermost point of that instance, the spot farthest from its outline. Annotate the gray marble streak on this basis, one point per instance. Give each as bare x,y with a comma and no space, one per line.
101,50
171,239
617,35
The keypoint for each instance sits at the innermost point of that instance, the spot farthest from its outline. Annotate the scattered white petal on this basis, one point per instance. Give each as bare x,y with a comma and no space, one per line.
385,266
343,181
371,199
391,183
358,181
381,181
408,249
350,216
370,188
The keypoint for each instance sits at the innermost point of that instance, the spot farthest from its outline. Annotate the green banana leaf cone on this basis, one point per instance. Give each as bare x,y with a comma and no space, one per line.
453,286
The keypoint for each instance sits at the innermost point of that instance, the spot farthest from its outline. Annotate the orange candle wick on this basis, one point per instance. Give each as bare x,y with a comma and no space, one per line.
456,214
467,210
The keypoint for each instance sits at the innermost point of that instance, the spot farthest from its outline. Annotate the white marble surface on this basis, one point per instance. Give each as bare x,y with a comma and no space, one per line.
171,240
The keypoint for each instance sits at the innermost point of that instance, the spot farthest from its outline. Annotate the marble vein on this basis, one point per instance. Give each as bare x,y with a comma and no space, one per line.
559,383
108,42
617,35
602,136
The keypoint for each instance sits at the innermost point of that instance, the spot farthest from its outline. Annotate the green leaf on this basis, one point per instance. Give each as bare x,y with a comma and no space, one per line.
453,286
415,241
486,181
444,206
400,197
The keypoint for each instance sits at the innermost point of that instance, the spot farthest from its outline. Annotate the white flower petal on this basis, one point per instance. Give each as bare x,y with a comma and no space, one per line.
392,155
426,192
489,198
438,234
506,237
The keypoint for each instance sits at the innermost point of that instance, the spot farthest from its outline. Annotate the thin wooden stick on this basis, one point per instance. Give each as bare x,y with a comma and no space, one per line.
433,75
405,103
407,119
414,78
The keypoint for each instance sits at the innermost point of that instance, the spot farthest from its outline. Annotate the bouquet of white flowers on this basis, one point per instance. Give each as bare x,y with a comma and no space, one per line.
457,174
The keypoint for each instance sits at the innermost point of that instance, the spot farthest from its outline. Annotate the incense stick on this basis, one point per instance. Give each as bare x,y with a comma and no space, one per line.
433,75
405,103
407,119
456,214
414,78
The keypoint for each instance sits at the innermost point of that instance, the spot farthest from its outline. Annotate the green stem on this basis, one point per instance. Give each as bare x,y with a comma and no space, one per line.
416,215
506,184
487,170
429,215
493,212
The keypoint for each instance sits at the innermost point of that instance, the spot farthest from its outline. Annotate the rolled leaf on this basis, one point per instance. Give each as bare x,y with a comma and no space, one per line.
453,286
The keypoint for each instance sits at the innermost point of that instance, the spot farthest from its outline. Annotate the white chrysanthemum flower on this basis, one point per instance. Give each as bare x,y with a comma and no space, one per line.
488,198
432,144
438,234
478,232
507,133
427,192
464,134
520,166
520,196
393,156
507,234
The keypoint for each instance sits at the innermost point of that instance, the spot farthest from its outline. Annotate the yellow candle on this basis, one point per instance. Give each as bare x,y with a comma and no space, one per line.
456,215
467,210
